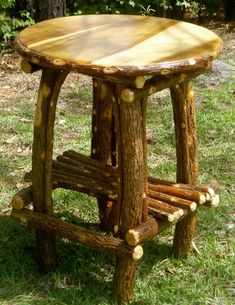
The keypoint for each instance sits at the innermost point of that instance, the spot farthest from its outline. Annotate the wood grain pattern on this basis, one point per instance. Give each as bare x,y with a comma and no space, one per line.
118,44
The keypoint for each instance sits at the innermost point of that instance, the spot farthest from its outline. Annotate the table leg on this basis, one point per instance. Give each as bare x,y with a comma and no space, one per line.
132,190
103,146
186,153
51,82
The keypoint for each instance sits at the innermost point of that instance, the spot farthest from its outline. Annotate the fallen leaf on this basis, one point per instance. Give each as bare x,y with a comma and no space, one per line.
61,122
11,140
19,185
25,120
171,270
19,150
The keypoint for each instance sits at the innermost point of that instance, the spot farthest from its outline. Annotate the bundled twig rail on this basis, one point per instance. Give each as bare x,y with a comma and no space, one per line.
166,199
208,190
162,210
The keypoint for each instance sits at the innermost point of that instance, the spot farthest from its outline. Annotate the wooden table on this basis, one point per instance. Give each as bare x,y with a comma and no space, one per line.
129,58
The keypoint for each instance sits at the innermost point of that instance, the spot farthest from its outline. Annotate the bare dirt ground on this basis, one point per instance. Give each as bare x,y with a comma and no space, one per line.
14,84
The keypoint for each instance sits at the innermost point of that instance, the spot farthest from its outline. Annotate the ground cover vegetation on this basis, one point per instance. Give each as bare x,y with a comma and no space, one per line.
84,276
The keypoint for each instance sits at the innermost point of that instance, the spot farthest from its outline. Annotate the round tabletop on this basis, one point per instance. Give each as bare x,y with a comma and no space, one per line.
118,44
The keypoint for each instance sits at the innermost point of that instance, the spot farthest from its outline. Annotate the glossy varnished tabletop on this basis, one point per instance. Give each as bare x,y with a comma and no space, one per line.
118,44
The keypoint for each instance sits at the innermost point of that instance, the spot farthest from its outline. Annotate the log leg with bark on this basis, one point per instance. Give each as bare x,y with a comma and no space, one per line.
133,181
186,154
51,82
103,147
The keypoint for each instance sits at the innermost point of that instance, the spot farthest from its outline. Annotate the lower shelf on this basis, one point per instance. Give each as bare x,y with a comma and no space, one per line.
166,200
168,203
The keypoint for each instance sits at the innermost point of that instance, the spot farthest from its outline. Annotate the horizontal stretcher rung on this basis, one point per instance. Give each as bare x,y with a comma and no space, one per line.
97,241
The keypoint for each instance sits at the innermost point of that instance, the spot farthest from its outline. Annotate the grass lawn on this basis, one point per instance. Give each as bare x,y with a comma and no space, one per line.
84,276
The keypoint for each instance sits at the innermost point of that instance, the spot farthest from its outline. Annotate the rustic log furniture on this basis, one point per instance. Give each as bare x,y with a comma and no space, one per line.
129,58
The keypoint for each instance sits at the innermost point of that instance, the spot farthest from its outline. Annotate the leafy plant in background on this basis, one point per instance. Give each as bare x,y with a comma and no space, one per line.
10,25
213,6
167,8
104,6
